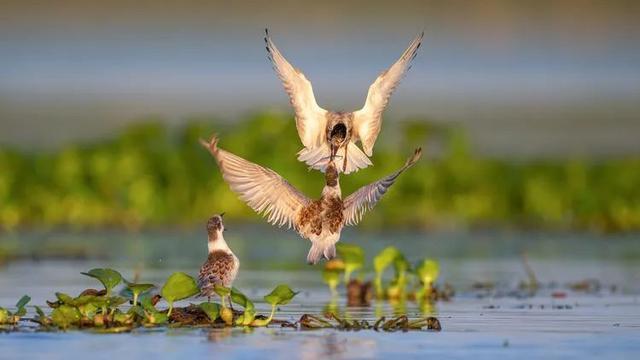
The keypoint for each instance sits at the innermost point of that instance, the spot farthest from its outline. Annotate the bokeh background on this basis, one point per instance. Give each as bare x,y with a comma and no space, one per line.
529,111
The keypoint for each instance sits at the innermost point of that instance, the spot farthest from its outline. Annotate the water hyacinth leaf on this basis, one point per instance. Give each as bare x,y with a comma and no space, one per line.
179,286
353,257
221,290
385,258
249,309
4,316
20,305
281,295
64,298
108,277
137,289
428,271
211,309
64,316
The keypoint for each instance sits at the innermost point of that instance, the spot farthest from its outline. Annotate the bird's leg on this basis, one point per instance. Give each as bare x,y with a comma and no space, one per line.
208,298
230,303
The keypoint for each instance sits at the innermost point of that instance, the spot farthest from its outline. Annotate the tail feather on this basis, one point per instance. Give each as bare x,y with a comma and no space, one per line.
318,158
315,254
330,252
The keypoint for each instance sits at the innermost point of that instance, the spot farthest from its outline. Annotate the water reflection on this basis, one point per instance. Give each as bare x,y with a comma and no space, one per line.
218,334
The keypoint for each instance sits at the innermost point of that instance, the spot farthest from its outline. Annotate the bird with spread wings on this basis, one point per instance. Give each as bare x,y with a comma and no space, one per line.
321,221
327,134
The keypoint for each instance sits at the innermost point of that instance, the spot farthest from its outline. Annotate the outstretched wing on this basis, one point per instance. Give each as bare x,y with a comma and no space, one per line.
310,118
368,120
356,204
262,189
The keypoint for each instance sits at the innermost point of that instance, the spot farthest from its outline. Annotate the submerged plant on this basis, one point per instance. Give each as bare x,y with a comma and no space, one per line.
281,295
108,277
178,286
353,257
7,317
380,262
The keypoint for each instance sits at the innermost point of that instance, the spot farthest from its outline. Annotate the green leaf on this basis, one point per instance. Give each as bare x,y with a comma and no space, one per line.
64,316
428,271
65,299
108,277
138,288
249,309
21,311
211,309
281,295
401,265
221,290
385,258
4,316
352,255
179,286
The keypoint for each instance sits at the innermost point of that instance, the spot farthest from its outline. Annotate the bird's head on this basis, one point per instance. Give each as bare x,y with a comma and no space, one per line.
215,226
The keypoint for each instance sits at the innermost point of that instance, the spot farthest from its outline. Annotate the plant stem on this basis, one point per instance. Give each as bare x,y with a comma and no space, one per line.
135,299
170,309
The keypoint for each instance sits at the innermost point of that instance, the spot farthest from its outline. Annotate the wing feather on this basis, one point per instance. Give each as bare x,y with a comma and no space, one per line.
368,120
266,192
310,118
363,200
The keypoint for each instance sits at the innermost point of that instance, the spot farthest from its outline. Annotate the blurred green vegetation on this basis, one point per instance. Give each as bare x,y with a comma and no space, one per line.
151,175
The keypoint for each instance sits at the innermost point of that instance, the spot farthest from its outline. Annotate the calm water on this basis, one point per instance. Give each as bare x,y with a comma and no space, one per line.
476,323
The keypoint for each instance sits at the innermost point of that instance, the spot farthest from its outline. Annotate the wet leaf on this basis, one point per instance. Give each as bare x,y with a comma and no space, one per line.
179,286
428,271
385,258
138,288
211,309
108,277
281,295
21,311
64,316
221,290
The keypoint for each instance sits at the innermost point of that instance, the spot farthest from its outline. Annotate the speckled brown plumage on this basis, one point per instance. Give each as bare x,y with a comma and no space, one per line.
219,269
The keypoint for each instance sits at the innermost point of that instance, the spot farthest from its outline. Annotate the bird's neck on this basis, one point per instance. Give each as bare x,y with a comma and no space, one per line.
217,243
332,191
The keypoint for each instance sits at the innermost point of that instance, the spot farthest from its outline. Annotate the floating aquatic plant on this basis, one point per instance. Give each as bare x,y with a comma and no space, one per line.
108,277
427,271
397,289
178,286
281,295
137,290
226,314
249,309
353,257
7,317
331,274
380,262
211,309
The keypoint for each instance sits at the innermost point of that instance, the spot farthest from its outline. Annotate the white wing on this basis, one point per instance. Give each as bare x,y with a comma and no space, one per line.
368,120
310,118
356,204
262,189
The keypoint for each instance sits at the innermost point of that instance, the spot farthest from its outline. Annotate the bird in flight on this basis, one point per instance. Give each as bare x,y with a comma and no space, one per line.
325,133
321,220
